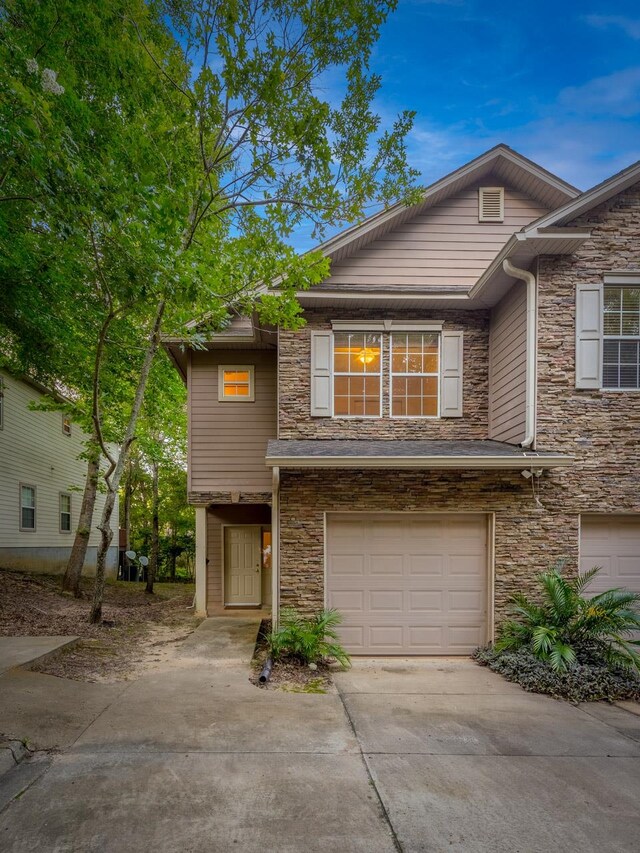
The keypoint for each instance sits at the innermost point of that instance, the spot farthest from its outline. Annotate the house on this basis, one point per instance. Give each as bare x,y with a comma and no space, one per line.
41,482
461,410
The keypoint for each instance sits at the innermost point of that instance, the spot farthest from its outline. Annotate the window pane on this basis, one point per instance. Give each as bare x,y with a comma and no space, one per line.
612,324
28,518
631,299
65,503
28,496
236,376
630,324
236,390
356,355
415,355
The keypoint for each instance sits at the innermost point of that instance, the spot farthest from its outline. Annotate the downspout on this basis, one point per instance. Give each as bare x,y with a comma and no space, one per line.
275,547
532,351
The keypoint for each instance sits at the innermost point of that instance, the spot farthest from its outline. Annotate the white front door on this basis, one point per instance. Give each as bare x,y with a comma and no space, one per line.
242,561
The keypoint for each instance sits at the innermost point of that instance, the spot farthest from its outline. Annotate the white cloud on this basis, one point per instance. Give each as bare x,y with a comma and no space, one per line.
617,94
630,26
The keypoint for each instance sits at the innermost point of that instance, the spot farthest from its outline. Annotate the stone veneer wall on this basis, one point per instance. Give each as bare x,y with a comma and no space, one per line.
528,537
602,428
295,420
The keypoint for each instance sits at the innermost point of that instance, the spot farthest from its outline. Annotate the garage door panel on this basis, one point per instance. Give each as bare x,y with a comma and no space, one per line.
425,600
390,636
422,578
612,542
425,636
347,565
386,564
385,599
426,564
351,601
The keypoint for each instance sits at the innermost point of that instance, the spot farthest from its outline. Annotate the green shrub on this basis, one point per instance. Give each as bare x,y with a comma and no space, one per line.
308,640
566,624
590,681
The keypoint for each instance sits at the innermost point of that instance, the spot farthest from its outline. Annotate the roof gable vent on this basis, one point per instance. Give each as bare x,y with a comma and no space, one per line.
491,204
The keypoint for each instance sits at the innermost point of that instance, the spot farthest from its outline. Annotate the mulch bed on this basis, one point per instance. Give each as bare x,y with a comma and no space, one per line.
288,675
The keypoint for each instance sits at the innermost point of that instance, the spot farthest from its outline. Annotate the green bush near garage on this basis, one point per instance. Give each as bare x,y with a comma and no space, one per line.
570,645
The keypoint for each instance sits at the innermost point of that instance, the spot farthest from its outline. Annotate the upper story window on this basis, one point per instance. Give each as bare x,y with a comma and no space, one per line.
66,425
27,507
357,370
415,361
621,337
236,382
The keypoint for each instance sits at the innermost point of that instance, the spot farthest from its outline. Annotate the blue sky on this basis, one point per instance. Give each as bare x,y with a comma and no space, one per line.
558,81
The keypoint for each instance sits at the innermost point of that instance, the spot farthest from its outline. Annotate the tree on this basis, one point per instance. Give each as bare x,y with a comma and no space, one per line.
185,164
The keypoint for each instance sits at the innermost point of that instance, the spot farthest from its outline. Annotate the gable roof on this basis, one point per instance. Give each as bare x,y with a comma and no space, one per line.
501,162
587,200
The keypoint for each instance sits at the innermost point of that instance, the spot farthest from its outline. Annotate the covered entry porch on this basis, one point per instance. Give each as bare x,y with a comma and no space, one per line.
233,572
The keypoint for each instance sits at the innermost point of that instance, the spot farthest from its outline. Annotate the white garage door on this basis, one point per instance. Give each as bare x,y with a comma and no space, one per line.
408,584
612,542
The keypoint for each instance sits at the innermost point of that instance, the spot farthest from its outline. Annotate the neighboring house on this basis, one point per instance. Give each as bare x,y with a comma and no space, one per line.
461,410
41,483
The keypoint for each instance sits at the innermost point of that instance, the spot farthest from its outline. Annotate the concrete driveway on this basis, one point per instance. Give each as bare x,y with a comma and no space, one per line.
412,756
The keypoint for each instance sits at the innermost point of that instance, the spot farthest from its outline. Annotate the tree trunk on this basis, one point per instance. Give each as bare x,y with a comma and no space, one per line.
152,571
172,554
71,579
116,469
126,521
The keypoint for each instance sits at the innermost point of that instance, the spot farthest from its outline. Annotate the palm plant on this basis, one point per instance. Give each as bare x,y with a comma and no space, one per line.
308,640
566,622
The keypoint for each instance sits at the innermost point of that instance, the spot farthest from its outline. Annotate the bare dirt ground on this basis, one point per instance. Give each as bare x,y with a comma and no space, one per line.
139,631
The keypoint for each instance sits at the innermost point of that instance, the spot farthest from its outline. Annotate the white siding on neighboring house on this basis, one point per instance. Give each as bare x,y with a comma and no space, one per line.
445,245
34,451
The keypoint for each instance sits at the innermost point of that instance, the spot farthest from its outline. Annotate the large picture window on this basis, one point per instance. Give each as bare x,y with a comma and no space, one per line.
621,339
357,374
415,371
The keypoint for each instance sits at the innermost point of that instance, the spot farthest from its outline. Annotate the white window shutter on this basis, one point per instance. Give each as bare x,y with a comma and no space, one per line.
321,374
451,375
589,336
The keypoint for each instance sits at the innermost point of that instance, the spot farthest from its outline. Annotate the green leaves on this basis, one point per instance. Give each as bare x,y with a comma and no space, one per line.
565,621
308,640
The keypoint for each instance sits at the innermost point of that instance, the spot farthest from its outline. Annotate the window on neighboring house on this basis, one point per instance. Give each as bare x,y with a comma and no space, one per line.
236,383
357,374
415,361
621,337
66,425
1,403
65,513
27,507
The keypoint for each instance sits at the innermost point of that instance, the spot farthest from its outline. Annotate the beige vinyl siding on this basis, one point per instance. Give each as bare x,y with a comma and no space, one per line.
34,451
228,439
445,245
216,518
508,367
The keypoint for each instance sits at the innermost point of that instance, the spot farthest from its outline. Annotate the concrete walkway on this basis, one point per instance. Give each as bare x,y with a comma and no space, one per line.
411,756
18,651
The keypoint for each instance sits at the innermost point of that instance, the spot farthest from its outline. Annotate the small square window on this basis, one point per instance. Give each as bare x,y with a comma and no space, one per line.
66,425
65,513
236,383
27,507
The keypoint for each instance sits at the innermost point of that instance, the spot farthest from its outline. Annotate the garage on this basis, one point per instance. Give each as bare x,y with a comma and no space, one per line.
612,542
408,583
